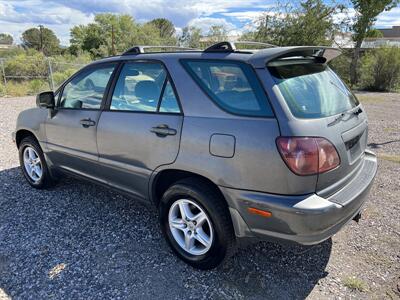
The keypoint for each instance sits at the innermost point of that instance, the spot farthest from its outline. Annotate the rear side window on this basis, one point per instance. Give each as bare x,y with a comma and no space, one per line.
312,90
144,87
233,86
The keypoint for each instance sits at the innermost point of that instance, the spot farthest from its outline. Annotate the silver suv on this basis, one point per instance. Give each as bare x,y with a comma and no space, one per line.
228,144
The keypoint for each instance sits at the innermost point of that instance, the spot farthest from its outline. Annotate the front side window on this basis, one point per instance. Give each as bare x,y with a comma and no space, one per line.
86,90
144,87
311,90
233,86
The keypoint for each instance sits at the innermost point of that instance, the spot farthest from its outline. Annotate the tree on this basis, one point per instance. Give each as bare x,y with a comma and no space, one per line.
217,33
41,39
367,12
165,27
110,34
190,37
309,23
6,39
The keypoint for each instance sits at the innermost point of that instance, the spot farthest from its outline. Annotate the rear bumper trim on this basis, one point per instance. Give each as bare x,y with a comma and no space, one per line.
307,219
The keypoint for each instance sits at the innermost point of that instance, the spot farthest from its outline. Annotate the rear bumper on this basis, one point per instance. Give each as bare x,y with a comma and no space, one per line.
307,219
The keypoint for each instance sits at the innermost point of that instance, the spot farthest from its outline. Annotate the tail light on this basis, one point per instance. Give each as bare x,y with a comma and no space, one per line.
308,155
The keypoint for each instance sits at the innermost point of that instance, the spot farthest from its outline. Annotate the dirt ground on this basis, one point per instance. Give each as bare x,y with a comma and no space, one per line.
81,241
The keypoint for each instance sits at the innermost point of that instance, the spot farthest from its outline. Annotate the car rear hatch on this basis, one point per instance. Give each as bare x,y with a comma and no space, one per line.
316,103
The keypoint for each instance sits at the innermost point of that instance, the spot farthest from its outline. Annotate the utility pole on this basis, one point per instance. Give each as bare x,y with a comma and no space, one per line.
112,40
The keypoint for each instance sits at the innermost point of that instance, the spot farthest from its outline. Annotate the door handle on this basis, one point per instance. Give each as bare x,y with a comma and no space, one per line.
87,122
163,130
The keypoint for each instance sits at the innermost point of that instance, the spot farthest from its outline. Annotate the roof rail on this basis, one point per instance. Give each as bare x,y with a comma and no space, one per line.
231,46
142,49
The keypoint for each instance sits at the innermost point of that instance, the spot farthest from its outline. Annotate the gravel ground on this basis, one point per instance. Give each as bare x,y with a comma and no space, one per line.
81,241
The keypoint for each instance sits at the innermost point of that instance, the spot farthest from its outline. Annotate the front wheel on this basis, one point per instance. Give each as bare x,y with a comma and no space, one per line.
196,223
33,164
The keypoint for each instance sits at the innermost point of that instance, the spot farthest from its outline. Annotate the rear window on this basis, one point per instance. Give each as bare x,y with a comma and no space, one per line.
312,90
233,86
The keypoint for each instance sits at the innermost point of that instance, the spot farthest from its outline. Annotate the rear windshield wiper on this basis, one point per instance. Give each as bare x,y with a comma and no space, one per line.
343,91
342,115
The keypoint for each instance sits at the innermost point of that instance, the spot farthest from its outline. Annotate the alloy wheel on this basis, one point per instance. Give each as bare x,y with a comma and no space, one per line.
190,226
32,164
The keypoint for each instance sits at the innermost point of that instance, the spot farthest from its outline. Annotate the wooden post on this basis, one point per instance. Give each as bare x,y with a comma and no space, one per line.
4,75
50,74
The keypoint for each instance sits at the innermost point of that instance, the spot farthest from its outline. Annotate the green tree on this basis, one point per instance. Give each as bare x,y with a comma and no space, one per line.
6,39
190,37
41,39
111,34
86,38
217,33
165,27
367,12
309,23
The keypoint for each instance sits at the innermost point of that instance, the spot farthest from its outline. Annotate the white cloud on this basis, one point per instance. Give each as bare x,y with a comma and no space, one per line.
205,23
60,15
244,16
17,16
389,18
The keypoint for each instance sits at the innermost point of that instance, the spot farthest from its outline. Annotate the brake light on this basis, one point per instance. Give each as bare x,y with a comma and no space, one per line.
308,155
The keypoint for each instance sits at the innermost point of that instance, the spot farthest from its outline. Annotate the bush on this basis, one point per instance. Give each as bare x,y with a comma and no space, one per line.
60,77
17,89
37,85
341,66
26,65
23,88
380,69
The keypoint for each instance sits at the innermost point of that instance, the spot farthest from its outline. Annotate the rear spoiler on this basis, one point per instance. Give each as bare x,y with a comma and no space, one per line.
261,58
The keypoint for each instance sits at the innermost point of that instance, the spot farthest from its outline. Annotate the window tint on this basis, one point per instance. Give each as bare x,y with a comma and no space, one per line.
231,85
312,90
86,90
169,103
139,88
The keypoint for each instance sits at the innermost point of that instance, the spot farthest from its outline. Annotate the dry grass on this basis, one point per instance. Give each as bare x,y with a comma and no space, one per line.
56,270
355,284
388,157
370,99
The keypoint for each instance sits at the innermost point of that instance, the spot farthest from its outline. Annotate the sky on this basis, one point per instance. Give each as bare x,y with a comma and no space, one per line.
60,15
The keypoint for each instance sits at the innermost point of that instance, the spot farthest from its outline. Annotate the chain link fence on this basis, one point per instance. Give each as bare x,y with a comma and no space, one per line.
21,76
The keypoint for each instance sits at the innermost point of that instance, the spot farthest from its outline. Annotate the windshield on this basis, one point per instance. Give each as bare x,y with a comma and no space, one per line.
312,90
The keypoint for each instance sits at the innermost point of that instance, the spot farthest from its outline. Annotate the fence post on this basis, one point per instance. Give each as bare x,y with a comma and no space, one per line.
50,74
4,76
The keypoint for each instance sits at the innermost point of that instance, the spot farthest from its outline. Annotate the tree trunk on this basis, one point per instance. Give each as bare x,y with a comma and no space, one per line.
354,63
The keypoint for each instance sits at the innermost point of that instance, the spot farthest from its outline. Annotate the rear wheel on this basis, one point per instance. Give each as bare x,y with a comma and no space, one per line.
196,223
33,164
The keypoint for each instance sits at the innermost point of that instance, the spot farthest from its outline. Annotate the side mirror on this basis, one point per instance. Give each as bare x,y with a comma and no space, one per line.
45,100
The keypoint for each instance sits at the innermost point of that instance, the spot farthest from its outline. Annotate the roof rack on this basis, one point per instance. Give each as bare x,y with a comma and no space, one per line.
231,46
142,49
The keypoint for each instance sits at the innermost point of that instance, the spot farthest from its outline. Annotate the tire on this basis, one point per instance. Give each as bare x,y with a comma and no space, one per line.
45,179
200,197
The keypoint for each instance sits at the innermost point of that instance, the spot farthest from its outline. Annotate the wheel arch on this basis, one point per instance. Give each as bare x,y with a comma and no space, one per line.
23,133
163,179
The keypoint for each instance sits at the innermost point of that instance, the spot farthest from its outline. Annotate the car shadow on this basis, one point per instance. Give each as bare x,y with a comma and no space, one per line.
79,240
